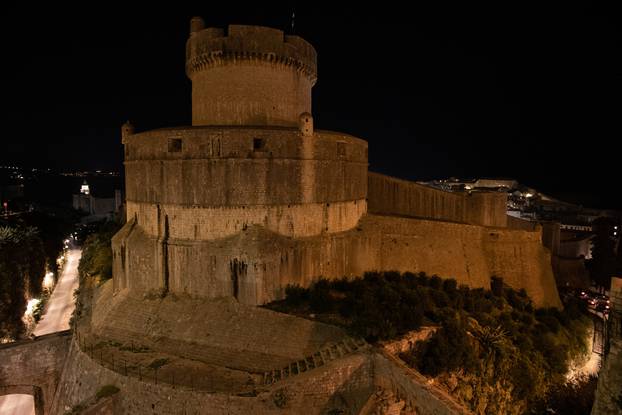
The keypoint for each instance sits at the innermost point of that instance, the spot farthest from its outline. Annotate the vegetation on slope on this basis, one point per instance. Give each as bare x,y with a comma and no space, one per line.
96,260
22,268
28,242
493,350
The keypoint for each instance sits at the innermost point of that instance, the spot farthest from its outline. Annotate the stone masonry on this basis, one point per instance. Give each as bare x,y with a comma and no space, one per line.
34,367
251,198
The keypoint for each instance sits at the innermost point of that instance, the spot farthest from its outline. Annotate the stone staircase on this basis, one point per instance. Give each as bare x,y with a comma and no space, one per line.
321,357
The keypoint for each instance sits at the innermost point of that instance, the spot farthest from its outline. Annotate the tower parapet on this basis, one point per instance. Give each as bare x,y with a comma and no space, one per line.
250,75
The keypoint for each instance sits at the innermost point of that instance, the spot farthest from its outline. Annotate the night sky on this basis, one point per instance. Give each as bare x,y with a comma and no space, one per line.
523,92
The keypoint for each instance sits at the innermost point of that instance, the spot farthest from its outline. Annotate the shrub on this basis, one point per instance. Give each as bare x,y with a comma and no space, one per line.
320,299
436,282
423,279
496,286
295,294
447,350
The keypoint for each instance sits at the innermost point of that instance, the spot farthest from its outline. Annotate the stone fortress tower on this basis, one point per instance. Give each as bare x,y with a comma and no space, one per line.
224,215
251,198
251,159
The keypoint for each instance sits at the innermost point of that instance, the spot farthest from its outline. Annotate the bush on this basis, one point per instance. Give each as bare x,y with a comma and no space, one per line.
450,286
96,260
496,286
320,299
447,350
436,282
295,294
506,340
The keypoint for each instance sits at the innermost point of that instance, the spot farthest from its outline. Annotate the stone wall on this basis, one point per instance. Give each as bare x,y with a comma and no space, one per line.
345,385
256,265
392,196
34,367
408,385
570,272
342,384
526,225
220,332
250,75
218,181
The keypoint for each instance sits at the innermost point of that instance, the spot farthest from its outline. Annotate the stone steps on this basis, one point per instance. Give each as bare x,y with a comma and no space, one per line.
321,357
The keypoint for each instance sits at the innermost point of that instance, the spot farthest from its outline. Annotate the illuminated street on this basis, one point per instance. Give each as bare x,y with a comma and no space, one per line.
17,405
56,318
61,303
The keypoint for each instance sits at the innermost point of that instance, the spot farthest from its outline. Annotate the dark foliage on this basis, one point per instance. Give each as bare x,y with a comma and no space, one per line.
495,335
96,258
496,286
447,350
603,264
22,268
53,228
569,398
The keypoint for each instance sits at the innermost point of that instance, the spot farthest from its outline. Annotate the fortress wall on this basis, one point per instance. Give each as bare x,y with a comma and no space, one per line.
34,367
345,385
136,260
249,76
256,265
221,167
392,196
250,92
198,223
471,254
219,331
526,225
238,142
486,208
340,384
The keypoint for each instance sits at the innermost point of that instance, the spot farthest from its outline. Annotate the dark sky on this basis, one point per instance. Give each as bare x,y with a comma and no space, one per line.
514,91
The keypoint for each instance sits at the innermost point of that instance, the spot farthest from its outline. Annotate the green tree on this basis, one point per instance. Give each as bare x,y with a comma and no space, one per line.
22,268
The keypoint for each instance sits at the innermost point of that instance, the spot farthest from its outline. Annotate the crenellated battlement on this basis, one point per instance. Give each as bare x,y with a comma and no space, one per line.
212,47
249,75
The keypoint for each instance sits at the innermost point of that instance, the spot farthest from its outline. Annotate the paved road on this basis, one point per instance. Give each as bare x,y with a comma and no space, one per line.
56,318
61,304
17,405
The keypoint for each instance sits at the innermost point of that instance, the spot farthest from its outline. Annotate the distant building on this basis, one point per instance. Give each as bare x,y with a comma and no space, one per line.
96,207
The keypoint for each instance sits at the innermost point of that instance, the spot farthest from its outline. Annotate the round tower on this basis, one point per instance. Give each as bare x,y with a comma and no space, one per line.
250,75
217,209
127,129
